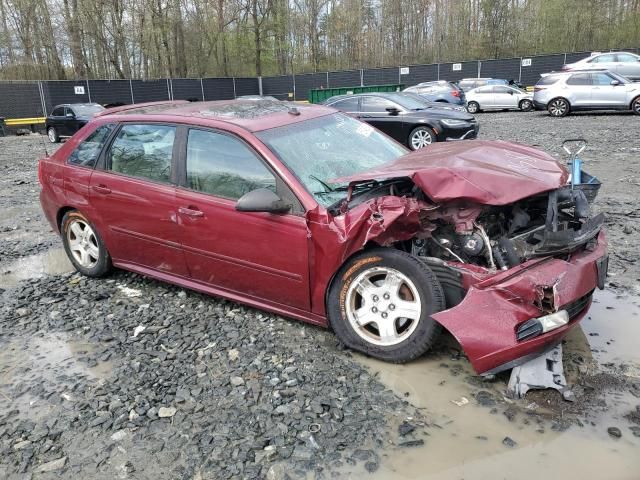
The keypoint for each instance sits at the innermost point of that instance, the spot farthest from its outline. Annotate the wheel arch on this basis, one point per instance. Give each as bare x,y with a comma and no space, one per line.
60,215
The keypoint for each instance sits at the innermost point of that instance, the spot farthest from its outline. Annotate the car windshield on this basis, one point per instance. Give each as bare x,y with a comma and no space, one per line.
86,110
325,148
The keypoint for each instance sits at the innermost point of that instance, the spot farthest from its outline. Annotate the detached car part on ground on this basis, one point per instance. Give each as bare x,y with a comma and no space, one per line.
407,119
314,215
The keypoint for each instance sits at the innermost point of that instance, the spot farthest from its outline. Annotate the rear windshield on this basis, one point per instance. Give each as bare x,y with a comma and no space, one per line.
548,80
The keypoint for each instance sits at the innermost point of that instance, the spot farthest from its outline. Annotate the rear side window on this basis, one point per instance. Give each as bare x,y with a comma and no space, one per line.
224,166
143,151
548,80
608,58
498,89
376,104
580,79
86,154
346,105
58,112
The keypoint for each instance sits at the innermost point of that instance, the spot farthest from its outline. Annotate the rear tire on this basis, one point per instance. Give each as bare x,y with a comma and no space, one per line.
421,137
526,105
84,246
558,107
473,107
635,105
370,294
53,135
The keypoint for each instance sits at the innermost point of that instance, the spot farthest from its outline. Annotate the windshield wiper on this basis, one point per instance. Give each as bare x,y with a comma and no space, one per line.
326,186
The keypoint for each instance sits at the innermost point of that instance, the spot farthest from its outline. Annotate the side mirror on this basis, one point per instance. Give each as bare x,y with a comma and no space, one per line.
261,200
393,111
615,82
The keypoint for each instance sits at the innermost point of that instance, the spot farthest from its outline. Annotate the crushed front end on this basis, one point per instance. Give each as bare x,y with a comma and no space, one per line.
516,277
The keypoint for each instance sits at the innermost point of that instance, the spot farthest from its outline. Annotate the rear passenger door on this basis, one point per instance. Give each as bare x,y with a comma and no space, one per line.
580,89
256,254
133,194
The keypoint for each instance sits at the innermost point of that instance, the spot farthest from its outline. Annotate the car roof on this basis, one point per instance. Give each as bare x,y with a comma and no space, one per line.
86,104
252,115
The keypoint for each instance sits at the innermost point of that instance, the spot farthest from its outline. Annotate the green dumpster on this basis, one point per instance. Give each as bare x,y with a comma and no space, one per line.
319,95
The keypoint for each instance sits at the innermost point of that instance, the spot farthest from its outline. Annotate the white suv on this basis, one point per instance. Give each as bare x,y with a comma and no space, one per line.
563,92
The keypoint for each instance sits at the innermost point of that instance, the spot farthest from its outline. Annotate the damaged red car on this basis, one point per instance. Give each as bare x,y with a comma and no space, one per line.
306,212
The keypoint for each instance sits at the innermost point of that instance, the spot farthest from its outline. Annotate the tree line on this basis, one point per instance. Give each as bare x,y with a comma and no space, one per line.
60,39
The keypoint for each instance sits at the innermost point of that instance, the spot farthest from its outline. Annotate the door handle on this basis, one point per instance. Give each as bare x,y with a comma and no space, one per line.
191,211
102,189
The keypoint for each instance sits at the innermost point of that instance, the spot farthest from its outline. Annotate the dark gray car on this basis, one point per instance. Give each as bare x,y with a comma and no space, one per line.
439,91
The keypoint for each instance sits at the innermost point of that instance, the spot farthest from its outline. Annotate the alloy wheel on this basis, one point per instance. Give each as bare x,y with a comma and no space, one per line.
383,306
83,243
421,138
558,108
636,107
51,133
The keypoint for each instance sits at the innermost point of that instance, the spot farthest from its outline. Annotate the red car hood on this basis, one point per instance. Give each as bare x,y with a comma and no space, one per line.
481,171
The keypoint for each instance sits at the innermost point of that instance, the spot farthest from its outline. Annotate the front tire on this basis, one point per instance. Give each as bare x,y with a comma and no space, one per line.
83,245
473,107
52,133
635,106
558,107
380,303
421,137
526,105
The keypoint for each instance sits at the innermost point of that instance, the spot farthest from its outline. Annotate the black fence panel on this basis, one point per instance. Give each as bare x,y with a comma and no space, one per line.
64,91
381,76
20,100
218,88
419,73
309,81
279,87
467,70
345,78
150,90
507,68
186,89
110,92
247,86
575,56
541,64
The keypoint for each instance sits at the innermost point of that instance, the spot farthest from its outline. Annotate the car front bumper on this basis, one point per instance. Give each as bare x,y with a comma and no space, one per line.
485,322
461,133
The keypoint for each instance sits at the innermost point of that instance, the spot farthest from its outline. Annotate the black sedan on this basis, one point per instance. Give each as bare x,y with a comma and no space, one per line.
406,119
67,119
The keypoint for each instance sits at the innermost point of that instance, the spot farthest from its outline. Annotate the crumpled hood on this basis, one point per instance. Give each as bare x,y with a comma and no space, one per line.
481,171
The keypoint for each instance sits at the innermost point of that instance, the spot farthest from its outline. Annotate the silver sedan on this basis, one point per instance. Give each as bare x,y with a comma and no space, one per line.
498,97
622,63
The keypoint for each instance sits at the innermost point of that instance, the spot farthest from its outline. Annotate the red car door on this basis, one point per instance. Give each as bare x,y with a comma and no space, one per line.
260,255
134,198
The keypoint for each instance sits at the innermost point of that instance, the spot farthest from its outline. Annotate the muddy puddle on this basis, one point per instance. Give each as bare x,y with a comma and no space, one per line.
51,262
52,358
466,442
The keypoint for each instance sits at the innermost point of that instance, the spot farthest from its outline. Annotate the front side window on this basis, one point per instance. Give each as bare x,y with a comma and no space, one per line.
580,79
320,150
86,154
143,151
224,166
601,79
376,105
627,58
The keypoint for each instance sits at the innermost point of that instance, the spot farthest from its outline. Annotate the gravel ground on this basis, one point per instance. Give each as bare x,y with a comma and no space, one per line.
132,378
